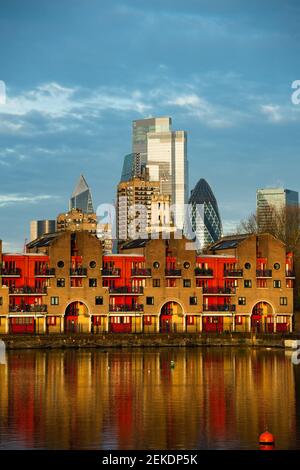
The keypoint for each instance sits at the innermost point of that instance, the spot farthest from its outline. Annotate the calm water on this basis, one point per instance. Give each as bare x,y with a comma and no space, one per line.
212,398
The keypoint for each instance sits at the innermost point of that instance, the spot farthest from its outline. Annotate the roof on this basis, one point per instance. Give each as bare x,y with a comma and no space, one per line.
139,243
45,240
81,186
226,243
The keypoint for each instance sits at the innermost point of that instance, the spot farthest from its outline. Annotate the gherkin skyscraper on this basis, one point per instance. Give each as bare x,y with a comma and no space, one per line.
204,216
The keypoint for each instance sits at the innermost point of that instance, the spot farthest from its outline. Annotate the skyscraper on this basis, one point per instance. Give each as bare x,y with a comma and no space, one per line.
132,167
164,153
134,205
38,228
82,197
269,200
205,220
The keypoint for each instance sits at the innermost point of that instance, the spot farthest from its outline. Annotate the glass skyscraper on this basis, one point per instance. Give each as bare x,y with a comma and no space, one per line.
82,197
164,154
205,220
269,199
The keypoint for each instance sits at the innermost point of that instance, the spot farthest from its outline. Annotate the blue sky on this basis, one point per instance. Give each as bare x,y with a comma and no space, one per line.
78,72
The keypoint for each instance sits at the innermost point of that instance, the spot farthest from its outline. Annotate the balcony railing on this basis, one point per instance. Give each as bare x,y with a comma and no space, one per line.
44,272
14,272
203,272
81,272
219,290
290,273
141,272
264,273
219,308
233,273
126,290
27,290
28,308
126,308
173,272
113,272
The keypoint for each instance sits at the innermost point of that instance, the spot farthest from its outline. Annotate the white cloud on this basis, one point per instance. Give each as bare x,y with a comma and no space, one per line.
272,112
8,199
206,112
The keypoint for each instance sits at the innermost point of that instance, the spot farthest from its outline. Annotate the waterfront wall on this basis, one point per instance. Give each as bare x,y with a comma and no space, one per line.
144,341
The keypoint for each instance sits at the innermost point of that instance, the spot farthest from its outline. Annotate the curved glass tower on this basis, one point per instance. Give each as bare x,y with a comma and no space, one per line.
205,219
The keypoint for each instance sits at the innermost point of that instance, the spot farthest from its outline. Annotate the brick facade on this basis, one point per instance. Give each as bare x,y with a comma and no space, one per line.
64,283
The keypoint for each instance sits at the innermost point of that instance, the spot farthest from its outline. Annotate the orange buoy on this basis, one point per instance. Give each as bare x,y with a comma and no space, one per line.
266,441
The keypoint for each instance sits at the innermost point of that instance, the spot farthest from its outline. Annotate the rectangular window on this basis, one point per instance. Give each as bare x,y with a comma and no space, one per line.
147,320
1,301
60,282
54,300
150,300
156,282
247,283
283,301
277,284
92,282
193,300
190,319
186,283
170,282
98,300
75,282
96,320
261,283
51,320
242,301
238,320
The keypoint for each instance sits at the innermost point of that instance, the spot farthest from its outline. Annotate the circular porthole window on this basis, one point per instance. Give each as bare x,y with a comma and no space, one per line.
93,264
60,264
247,265
276,266
156,264
186,265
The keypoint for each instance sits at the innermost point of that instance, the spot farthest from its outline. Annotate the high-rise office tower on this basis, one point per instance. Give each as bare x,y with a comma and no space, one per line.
134,201
270,200
132,167
38,228
204,220
164,153
82,197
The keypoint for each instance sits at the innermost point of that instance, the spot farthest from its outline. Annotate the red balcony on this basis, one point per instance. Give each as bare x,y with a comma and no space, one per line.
78,272
219,290
111,272
27,290
28,308
45,272
264,273
202,272
126,290
141,272
173,272
10,272
233,273
219,308
126,308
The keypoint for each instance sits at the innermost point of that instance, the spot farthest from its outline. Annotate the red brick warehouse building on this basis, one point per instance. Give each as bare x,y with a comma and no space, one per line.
64,283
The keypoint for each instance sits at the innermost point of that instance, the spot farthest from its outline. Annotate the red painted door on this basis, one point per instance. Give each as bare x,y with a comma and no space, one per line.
213,324
22,325
71,324
165,323
121,325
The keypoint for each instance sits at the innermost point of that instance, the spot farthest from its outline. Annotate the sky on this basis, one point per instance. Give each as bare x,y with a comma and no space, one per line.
78,72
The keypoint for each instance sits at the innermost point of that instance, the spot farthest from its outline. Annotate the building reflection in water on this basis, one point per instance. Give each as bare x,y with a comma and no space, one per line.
121,399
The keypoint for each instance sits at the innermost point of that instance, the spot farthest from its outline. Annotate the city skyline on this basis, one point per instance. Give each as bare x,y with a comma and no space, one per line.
231,94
